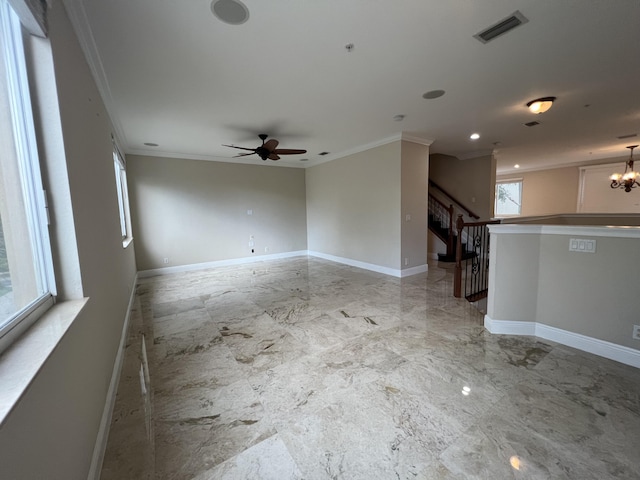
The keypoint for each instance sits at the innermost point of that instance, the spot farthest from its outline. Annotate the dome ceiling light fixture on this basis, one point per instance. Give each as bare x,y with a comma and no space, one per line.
540,105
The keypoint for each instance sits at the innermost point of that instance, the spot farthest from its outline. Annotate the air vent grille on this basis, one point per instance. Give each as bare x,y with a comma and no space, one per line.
531,124
631,135
323,153
503,26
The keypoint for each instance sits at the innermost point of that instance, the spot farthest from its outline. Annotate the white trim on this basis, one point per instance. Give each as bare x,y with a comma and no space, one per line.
612,351
328,158
510,180
509,327
81,26
476,154
213,158
300,253
105,423
595,231
218,263
371,266
408,272
524,220
356,263
413,139
377,143
509,170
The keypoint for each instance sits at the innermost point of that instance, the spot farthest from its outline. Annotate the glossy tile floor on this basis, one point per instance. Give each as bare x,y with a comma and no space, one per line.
307,369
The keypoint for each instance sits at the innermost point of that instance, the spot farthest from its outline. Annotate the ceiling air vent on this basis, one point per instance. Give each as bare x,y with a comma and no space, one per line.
531,124
323,153
631,135
503,26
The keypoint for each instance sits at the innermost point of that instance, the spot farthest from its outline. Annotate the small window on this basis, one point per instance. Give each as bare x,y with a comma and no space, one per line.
123,196
508,198
27,286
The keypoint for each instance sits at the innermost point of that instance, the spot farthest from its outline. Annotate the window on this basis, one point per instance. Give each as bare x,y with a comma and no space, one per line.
26,274
123,196
508,198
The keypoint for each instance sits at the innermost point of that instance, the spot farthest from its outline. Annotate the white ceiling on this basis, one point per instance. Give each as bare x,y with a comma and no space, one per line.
173,74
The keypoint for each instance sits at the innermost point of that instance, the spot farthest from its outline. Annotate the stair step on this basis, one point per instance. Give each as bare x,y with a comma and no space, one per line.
443,257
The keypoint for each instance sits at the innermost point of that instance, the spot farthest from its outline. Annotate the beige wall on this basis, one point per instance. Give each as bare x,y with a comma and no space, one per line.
535,278
547,192
193,211
472,181
415,176
588,293
354,206
52,430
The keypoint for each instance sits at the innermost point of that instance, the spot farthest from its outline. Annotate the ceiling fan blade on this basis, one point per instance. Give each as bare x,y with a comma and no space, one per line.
243,154
273,156
289,151
271,144
241,148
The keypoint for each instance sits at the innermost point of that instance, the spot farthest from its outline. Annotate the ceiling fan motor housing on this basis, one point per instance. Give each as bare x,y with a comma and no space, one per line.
263,153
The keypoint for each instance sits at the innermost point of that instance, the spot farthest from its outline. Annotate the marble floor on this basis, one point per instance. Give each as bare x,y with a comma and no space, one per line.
307,369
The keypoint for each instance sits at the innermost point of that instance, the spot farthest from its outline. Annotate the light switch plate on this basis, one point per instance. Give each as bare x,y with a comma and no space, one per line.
582,245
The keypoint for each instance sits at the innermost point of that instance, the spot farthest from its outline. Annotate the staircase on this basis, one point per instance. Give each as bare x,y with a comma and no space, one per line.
467,242
442,222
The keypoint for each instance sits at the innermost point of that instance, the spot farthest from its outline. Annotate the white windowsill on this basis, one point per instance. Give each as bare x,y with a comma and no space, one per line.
126,242
21,362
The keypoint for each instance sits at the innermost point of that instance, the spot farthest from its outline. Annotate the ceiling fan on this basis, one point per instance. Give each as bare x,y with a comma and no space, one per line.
267,149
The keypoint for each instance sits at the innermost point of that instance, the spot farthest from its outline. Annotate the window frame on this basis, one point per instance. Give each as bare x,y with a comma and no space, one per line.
28,160
495,206
122,192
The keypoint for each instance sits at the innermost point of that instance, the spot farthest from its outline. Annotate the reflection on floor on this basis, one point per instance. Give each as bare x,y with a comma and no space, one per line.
307,369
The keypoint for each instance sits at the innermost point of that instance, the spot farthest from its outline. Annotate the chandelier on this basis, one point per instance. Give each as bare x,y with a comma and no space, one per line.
628,179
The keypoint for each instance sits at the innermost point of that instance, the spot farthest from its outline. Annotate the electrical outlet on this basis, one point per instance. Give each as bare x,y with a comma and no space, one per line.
165,260
636,332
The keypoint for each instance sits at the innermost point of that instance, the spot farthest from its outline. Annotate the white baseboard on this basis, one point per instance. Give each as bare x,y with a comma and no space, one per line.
408,272
371,266
612,351
300,253
509,327
105,422
219,263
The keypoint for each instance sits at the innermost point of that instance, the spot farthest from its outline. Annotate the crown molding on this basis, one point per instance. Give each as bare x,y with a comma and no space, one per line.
80,22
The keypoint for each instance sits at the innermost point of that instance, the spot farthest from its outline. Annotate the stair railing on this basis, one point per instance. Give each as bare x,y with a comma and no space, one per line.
454,199
472,264
439,212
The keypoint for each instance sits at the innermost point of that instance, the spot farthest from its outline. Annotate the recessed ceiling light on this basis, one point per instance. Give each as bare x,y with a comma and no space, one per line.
233,12
516,166
474,136
430,95
149,144
322,154
349,47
